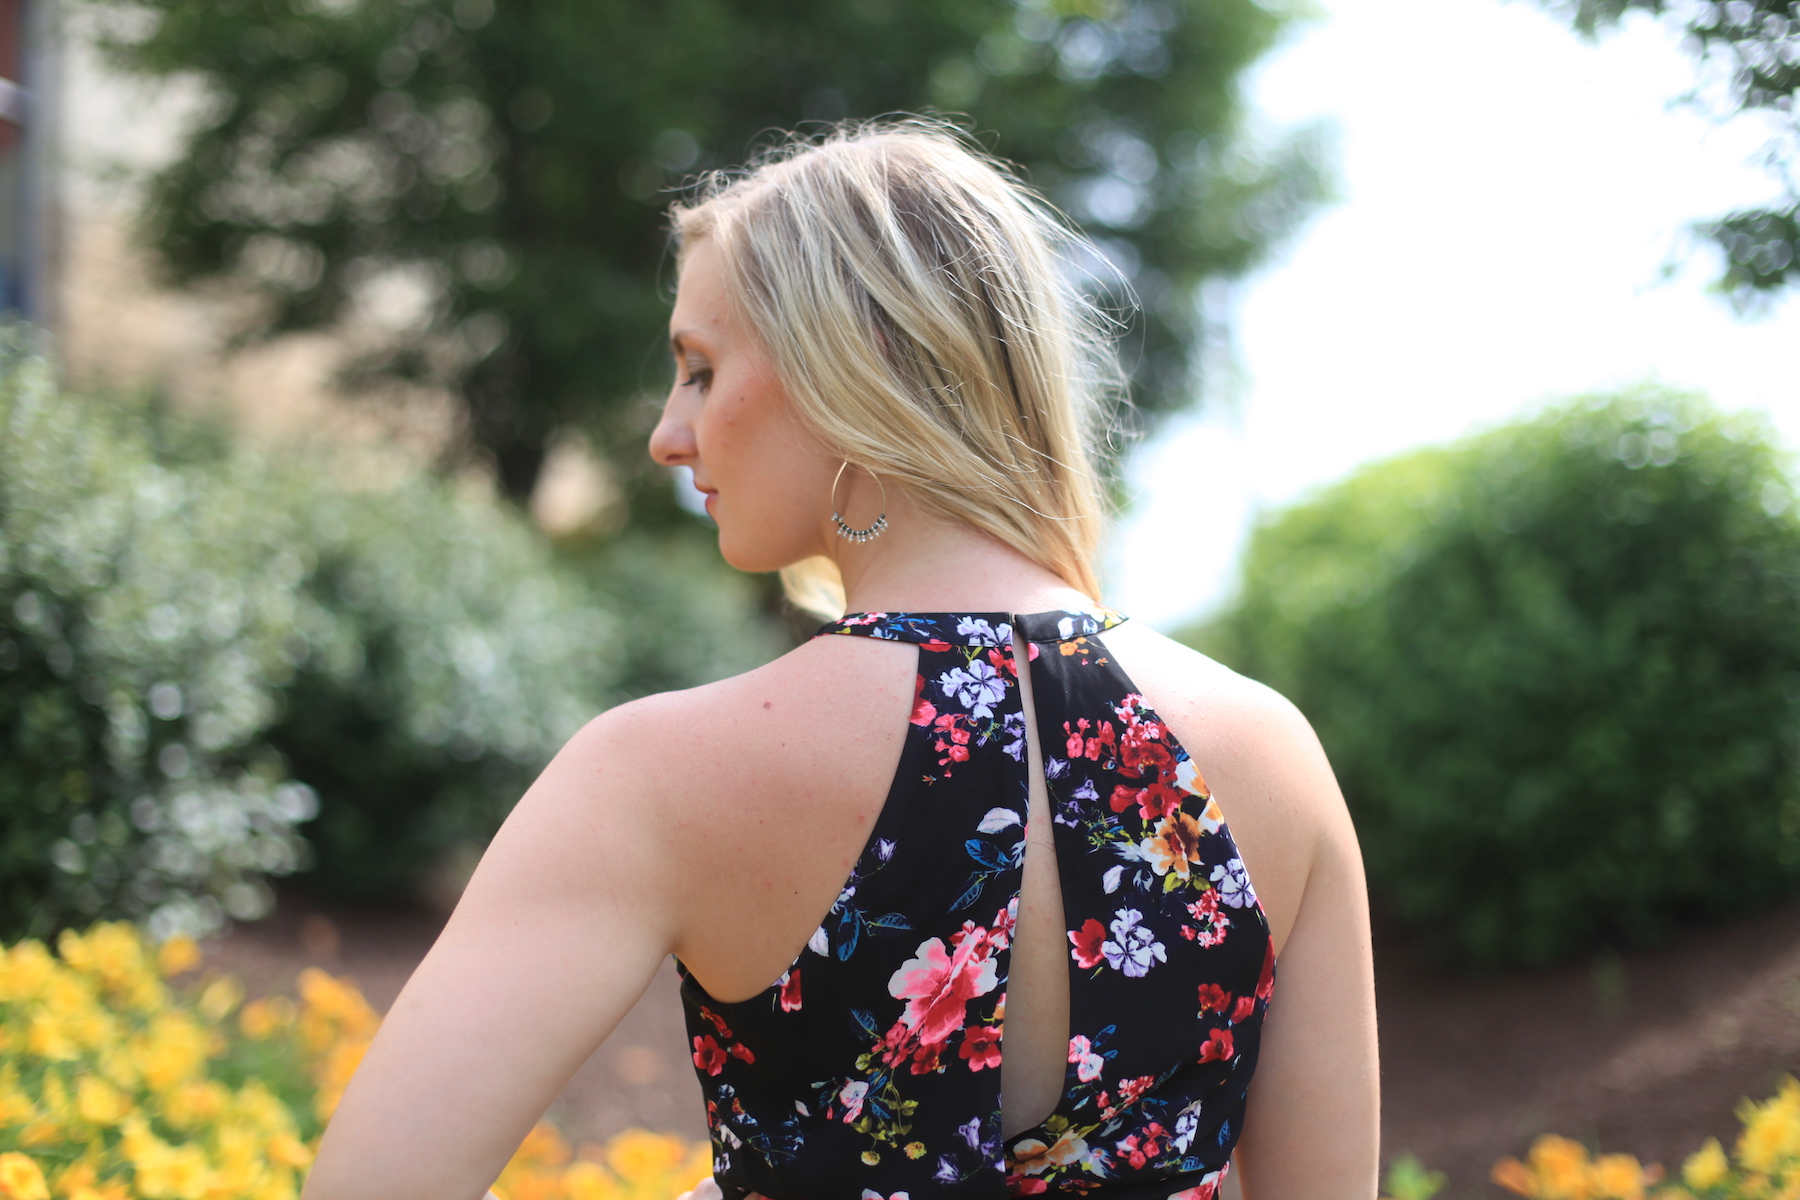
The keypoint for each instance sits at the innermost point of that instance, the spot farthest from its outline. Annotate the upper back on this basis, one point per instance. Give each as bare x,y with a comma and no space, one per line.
859,808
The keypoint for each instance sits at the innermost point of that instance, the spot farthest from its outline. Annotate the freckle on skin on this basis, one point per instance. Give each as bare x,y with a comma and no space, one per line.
768,704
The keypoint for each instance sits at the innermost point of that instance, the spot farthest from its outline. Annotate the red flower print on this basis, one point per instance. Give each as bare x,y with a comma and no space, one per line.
981,1046
1122,797
1213,998
1265,983
1025,1185
1087,941
707,1055
790,991
1242,1010
1206,1189
1003,661
739,1050
1075,739
926,1060
924,712
1217,1047
718,1022
938,984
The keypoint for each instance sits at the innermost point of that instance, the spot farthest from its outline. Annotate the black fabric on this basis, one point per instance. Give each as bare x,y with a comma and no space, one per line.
871,1067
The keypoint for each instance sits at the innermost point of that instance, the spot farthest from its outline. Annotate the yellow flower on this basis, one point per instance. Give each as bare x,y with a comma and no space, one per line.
49,1037
289,1151
173,1049
99,1102
20,1178
16,1106
177,956
1772,1129
1706,1167
333,1075
586,1181
265,1017
259,1106
167,1172
637,1155
196,1103
24,970
1618,1177
220,997
332,1009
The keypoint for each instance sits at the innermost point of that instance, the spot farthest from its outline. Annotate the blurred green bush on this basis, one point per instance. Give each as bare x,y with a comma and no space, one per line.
219,663
1556,668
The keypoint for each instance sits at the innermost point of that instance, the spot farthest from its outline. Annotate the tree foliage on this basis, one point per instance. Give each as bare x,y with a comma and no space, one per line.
483,184
1556,668
220,663
1757,42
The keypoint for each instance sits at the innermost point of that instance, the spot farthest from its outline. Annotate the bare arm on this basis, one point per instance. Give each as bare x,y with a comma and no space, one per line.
565,921
1313,1128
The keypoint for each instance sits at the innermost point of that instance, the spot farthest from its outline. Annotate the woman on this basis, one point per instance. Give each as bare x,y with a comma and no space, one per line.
888,384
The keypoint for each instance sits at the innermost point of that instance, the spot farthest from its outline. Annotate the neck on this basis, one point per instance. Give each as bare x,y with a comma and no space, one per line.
923,564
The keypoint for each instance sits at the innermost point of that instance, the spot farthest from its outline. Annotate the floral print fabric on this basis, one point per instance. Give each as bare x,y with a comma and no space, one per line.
872,1066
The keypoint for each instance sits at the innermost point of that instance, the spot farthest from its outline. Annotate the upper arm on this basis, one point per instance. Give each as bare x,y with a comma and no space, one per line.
1313,1123
560,929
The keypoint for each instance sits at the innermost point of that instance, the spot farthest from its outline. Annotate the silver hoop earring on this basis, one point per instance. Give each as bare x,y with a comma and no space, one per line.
847,531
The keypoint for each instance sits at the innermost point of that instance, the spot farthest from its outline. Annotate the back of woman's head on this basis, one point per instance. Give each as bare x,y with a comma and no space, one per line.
923,309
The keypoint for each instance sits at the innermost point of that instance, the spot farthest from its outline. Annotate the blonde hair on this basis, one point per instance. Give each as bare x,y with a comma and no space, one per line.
923,308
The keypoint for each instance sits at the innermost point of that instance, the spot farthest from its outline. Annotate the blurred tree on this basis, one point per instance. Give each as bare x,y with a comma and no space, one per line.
476,191
1557,669
1758,43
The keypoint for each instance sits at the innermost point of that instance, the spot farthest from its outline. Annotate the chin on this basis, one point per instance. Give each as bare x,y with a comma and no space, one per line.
755,556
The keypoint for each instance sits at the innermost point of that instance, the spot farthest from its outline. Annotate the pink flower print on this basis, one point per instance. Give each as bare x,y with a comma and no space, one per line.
1088,1065
851,1096
938,985
872,1194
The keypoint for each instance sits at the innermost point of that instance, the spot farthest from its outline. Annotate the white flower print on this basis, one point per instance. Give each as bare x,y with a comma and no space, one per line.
1233,883
1132,948
1187,1123
1014,733
981,633
978,687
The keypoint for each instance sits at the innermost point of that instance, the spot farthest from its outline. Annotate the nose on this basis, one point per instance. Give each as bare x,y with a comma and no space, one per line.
672,442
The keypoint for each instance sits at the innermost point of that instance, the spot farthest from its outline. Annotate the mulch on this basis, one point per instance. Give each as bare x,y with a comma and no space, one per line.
1645,1053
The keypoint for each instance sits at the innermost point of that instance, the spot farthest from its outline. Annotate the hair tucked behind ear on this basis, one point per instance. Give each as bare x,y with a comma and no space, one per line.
922,306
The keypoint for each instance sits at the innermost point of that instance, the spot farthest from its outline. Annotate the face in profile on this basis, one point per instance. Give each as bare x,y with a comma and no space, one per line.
766,478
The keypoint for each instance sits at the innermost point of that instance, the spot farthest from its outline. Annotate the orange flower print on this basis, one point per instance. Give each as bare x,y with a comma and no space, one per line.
1174,845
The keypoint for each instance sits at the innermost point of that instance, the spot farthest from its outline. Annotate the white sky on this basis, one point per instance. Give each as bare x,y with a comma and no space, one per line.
1510,194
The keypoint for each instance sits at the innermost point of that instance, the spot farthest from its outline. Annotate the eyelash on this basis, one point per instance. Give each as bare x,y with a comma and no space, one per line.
696,377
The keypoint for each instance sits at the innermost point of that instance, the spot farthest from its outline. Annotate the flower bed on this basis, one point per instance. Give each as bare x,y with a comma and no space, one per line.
126,1073
1764,1165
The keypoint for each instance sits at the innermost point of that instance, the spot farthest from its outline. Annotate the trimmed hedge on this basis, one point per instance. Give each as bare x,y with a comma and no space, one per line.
218,664
1557,670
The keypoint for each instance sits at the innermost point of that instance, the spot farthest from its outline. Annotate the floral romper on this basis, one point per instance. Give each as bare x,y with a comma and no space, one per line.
871,1068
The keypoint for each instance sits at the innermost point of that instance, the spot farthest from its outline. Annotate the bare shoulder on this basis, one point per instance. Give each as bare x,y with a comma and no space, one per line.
732,811
1259,756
